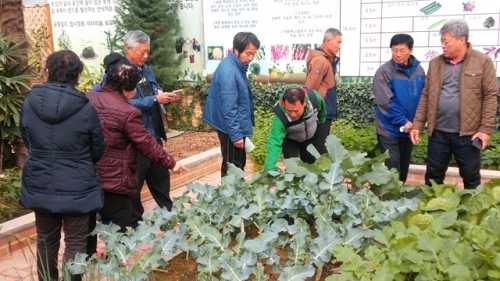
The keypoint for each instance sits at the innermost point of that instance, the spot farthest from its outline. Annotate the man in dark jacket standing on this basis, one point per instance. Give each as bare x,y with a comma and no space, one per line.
229,107
149,99
397,87
62,132
321,71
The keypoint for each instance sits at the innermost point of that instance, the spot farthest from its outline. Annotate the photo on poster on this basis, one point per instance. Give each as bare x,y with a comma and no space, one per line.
280,52
215,52
300,51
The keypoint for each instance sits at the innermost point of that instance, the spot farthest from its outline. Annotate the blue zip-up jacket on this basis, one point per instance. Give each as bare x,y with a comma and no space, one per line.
143,102
229,107
397,89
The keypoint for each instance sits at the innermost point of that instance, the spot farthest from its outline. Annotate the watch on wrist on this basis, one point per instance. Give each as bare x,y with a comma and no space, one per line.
156,100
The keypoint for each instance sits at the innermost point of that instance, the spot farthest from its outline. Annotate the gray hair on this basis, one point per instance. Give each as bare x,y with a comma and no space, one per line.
457,28
135,37
331,32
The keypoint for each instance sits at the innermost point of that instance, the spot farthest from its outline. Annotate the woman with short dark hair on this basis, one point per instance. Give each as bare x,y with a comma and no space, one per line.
64,137
125,136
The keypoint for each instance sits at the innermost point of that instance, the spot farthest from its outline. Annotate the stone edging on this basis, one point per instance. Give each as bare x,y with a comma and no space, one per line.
20,232
199,165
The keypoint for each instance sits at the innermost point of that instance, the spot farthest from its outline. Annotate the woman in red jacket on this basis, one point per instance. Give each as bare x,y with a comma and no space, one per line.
125,136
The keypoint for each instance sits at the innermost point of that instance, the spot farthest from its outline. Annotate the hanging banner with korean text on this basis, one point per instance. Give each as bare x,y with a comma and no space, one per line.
85,27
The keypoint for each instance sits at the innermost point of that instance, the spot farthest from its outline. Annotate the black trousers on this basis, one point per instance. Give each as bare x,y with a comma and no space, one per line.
117,209
399,154
92,239
439,150
48,229
230,154
324,131
158,180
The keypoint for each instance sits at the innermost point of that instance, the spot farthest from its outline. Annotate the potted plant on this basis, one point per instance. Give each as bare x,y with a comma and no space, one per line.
179,43
88,52
14,84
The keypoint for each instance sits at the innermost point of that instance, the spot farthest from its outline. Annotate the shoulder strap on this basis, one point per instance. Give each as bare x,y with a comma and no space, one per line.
312,97
281,115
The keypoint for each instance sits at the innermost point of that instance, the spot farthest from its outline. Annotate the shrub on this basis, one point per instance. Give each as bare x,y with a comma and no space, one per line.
10,188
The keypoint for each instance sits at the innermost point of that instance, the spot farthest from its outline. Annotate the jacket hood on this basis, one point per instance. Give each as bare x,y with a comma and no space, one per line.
319,53
55,102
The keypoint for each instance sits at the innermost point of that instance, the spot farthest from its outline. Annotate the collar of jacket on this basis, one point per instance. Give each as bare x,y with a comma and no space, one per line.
113,92
332,58
237,62
145,70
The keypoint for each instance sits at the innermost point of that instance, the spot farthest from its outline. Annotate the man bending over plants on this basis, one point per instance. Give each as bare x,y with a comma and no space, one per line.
295,125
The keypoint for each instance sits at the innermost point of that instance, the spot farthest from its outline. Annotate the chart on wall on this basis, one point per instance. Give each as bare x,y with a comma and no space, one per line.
368,31
288,29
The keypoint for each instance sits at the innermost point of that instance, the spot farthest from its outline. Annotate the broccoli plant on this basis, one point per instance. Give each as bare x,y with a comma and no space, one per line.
305,210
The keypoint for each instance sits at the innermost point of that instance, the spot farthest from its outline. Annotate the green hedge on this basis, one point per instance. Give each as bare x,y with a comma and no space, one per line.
355,126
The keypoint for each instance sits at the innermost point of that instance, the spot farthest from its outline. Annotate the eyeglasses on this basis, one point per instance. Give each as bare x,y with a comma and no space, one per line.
400,51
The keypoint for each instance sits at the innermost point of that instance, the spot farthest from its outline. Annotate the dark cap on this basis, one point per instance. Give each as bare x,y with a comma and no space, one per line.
110,60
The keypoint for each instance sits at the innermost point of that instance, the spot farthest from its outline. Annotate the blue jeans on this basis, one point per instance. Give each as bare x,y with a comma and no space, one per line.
440,148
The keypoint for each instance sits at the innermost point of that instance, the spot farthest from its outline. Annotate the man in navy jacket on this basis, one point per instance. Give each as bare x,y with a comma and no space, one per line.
149,99
397,87
229,107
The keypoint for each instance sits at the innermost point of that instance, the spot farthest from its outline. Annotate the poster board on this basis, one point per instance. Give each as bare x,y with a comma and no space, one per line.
85,27
287,30
367,27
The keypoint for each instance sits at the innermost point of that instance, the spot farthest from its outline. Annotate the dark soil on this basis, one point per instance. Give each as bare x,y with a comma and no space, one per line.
181,268
191,143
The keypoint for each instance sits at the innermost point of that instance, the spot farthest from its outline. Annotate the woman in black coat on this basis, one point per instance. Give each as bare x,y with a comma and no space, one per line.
59,183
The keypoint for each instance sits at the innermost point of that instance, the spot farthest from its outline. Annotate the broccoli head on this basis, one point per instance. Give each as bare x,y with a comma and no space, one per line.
495,192
489,22
438,204
421,220
88,52
254,68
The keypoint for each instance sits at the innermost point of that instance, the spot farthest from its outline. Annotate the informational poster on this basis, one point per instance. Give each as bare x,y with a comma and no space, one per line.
85,27
288,29
191,43
223,19
371,24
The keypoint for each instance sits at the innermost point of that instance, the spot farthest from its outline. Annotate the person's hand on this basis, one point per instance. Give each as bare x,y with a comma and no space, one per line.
485,138
166,97
179,168
408,126
239,144
414,135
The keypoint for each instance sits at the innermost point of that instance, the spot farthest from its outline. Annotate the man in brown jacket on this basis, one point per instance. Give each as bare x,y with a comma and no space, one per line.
458,103
321,67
